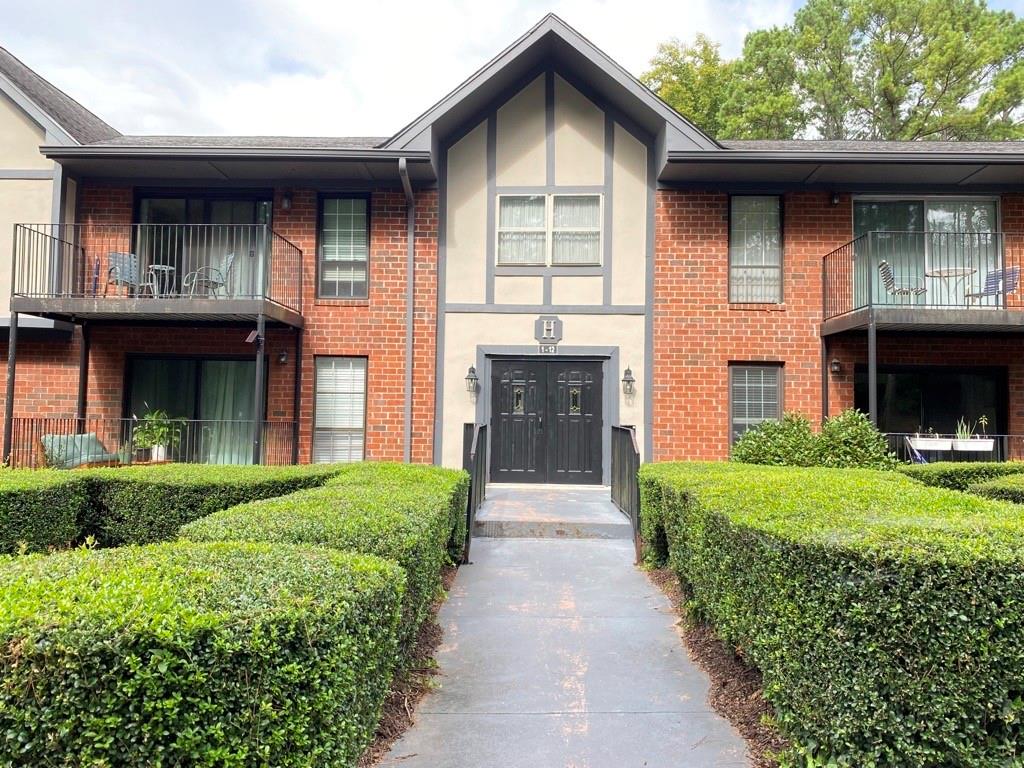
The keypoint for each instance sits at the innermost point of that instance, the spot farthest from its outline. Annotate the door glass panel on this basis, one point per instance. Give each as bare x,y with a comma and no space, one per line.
518,399
574,401
166,385
227,397
899,242
960,244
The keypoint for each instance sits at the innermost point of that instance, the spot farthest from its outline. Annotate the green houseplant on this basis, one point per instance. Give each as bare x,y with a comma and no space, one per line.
967,439
157,432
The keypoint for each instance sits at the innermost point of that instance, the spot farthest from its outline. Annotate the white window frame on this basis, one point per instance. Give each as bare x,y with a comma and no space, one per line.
549,229
779,368
781,268
366,399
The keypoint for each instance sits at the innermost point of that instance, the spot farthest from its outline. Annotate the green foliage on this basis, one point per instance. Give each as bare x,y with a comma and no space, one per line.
887,617
788,442
145,504
859,69
1009,487
408,524
41,509
848,439
200,655
960,475
156,428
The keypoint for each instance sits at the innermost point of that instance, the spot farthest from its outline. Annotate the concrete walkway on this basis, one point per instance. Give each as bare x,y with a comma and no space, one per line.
559,652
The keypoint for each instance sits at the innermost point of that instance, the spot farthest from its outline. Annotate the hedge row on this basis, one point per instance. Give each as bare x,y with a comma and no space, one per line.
887,617
51,509
1006,488
200,655
960,475
405,516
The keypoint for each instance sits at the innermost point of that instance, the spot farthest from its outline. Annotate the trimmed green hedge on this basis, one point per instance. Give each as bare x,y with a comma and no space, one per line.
199,655
887,617
451,482
41,509
407,522
142,505
1006,488
959,475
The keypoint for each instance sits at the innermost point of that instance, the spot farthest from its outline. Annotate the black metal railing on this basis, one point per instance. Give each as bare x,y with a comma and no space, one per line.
944,270
67,442
474,461
935,447
625,483
166,261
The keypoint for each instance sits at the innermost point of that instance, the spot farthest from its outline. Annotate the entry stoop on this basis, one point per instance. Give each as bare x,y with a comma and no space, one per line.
550,512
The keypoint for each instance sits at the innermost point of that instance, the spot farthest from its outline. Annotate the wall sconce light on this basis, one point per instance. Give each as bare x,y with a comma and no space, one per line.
835,198
286,200
835,366
283,357
472,380
628,382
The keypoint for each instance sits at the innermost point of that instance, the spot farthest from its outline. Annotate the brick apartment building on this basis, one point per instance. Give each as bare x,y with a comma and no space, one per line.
549,250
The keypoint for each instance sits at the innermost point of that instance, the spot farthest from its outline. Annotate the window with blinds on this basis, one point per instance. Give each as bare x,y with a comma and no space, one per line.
339,424
344,247
540,230
756,396
755,249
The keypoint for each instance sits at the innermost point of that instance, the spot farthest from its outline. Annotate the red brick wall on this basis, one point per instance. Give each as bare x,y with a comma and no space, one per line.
697,333
47,377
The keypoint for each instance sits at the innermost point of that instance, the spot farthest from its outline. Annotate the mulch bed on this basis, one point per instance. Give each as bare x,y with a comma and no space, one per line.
407,691
735,686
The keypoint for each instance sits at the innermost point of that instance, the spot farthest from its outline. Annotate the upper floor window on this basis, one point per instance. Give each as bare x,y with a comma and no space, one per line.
344,248
540,230
755,249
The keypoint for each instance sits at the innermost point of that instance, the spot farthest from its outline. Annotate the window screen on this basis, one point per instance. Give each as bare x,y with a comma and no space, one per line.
344,247
340,423
755,250
756,396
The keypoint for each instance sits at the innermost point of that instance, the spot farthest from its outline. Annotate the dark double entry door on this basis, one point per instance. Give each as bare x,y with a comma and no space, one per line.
545,421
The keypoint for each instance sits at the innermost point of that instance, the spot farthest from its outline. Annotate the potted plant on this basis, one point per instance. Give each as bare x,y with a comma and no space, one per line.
930,441
158,433
966,440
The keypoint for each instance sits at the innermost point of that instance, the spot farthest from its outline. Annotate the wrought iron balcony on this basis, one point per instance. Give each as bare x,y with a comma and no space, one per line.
191,272
922,280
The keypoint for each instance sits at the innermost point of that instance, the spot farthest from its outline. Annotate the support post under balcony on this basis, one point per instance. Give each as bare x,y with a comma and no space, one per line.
872,369
12,357
258,404
83,377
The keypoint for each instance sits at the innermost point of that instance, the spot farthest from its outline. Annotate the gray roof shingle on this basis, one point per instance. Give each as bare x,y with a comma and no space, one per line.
821,145
251,142
83,126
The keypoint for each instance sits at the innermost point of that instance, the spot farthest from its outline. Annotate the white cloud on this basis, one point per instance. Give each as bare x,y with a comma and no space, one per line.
298,67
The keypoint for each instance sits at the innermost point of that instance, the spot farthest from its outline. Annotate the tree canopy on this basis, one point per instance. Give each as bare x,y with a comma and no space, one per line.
857,69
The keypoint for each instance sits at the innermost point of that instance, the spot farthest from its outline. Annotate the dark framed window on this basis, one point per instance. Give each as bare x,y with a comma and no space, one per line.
339,415
755,249
343,257
755,395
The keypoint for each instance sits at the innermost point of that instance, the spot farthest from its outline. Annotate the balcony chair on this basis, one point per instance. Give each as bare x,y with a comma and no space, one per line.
123,270
898,289
209,280
75,451
998,282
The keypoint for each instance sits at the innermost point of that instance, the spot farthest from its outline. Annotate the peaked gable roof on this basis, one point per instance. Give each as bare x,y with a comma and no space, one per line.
553,39
72,118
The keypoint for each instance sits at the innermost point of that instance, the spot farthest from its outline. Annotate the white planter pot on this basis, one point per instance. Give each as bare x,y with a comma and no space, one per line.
158,453
976,444
931,443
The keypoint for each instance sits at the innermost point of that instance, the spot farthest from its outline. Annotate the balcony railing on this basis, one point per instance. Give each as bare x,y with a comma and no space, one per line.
935,447
927,270
186,262
69,442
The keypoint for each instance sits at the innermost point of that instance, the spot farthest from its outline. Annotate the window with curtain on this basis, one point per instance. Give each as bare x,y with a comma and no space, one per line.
755,249
756,394
344,247
537,230
339,426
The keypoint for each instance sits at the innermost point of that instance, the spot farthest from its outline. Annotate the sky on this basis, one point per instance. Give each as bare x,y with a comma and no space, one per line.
341,68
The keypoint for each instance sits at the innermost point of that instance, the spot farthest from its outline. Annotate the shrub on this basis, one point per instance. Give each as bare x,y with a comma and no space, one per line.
145,504
41,509
1009,487
848,439
199,655
454,483
409,524
959,475
887,617
789,442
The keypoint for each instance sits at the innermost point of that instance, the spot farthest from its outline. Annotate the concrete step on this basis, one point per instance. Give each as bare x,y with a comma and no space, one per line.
550,512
